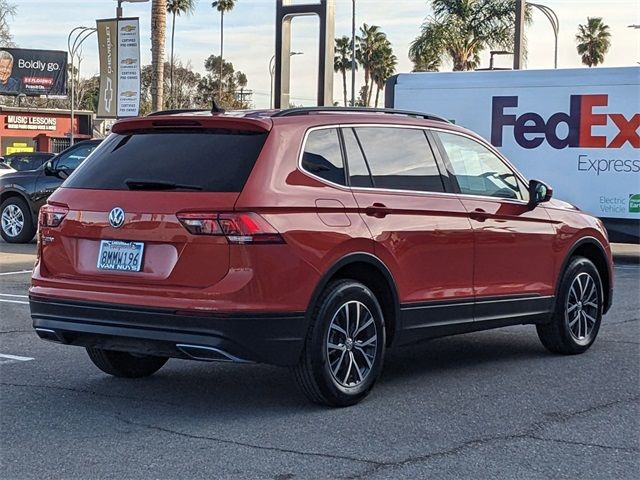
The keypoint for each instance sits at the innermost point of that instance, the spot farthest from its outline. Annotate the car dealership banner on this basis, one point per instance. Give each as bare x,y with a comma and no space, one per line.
33,73
577,129
119,49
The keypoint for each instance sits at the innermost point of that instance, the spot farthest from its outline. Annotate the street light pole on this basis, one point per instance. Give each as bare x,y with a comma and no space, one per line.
272,72
555,25
79,34
353,54
521,6
120,2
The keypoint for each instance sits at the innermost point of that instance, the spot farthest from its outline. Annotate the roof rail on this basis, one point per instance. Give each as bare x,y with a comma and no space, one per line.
292,112
176,111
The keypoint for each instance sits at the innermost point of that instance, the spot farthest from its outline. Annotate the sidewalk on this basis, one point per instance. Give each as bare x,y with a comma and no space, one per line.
625,253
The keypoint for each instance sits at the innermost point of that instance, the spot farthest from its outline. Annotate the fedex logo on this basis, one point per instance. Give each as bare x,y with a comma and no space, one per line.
530,129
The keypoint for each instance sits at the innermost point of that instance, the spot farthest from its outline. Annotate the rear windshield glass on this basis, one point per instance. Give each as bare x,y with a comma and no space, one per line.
207,160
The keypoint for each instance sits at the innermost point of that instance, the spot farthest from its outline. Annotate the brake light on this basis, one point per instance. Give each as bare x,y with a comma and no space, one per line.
52,215
238,228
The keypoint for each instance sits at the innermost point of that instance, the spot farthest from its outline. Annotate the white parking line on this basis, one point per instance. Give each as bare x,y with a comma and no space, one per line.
13,301
15,357
19,272
12,358
12,295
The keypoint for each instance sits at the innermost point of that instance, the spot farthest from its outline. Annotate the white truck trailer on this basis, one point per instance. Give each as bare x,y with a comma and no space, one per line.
576,129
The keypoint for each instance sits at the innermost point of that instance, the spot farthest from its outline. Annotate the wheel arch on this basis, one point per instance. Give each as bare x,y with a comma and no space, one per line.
591,248
372,272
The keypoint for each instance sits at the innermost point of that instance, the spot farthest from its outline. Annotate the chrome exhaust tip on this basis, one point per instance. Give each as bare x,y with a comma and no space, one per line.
208,354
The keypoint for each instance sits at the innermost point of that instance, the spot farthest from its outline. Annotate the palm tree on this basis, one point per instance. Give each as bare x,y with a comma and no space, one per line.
461,29
384,67
342,61
158,38
594,41
370,39
177,7
222,6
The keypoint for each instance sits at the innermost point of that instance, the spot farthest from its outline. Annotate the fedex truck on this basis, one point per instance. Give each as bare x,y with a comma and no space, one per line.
576,129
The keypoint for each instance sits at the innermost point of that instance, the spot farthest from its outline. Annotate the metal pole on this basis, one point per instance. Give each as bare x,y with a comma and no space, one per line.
119,9
555,25
80,37
271,77
353,55
521,6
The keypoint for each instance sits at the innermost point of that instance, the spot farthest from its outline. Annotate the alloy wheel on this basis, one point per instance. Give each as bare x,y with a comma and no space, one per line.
583,306
352,344
12,220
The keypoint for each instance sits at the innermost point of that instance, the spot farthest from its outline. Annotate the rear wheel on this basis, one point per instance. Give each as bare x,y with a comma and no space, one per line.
16,224
123,364
344,349
576,320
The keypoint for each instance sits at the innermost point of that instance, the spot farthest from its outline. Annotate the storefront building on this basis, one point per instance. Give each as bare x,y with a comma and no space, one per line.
41,130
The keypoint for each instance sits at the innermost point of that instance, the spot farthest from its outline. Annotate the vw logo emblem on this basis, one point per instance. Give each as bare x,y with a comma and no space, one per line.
116,217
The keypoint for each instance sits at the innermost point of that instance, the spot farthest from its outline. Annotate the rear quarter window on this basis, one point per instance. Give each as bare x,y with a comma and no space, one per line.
216,160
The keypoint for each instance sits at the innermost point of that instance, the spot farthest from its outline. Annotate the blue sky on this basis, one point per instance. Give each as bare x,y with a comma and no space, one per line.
250,30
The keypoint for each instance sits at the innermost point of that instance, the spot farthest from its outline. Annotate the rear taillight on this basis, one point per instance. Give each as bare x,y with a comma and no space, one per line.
52,215
239,228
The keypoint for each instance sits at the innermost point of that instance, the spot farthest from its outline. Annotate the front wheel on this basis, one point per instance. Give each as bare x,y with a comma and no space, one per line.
123,364
576,320
344,348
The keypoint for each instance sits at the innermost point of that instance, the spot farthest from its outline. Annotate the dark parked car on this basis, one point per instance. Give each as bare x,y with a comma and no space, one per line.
22,162
23,193
309,238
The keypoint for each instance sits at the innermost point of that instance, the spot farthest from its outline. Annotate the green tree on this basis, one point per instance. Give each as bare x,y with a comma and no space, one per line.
158,38
370,40
342,61
222,6
460,29
7,12
227,83
594,40
384,66
177,8
425,52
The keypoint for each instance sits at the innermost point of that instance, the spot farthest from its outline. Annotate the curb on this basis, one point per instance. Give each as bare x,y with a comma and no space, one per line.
626,259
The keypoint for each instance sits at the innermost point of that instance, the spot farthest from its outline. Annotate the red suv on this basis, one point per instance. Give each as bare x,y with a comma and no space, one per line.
310,238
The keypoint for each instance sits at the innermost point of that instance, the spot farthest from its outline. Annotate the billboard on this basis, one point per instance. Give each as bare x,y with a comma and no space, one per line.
33,72
119,50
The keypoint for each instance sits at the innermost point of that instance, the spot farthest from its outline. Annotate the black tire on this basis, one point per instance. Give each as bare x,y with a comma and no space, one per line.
123,364
321,370
565,334
28,229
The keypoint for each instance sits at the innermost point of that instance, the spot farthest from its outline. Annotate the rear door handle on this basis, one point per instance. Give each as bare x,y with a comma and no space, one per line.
479,215
377,210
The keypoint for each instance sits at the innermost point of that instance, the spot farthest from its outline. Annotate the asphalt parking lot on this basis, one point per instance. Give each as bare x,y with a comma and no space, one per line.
483,405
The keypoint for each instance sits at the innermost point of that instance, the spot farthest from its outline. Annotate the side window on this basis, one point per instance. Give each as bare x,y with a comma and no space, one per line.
479,171
400,158
359,174
72,159
322,156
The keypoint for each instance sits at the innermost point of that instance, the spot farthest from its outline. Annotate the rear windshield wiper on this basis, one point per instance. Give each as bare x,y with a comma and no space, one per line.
135,184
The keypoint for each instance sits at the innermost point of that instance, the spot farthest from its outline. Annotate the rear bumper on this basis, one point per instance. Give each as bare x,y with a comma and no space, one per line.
275,339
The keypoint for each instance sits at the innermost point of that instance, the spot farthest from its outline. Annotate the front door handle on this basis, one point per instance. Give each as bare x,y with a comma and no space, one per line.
377,210
479,215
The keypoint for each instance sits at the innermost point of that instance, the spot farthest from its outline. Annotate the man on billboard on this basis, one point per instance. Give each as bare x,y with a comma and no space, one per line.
8,83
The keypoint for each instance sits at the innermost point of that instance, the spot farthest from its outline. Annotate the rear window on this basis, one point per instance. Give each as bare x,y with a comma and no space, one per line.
213,160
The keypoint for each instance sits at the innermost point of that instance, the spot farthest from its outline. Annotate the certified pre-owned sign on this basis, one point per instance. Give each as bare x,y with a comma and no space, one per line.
119,47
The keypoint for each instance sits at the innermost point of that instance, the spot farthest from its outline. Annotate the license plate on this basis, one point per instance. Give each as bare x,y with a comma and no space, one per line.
121,256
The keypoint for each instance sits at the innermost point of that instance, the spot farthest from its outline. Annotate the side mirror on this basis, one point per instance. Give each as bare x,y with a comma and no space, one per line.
539,192
48,168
